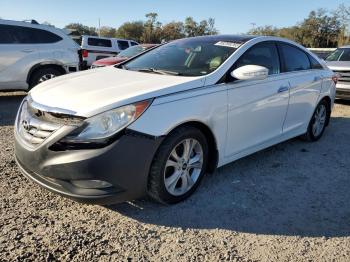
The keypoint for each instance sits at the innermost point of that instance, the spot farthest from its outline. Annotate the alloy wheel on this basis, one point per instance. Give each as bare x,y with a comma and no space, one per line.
183,167
319,120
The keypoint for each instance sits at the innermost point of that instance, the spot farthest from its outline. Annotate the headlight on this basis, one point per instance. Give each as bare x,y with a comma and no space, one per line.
103,126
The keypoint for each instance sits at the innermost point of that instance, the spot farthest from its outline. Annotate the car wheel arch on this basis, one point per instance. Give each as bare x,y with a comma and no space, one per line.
211,139
40,66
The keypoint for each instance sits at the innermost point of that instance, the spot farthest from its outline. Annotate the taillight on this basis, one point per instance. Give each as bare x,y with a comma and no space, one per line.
85,53
335,78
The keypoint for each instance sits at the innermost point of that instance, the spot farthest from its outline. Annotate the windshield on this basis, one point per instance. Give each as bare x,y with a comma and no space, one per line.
341,54
132,51
187,57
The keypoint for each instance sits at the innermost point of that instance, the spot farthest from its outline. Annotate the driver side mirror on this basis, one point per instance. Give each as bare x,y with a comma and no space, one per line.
250,72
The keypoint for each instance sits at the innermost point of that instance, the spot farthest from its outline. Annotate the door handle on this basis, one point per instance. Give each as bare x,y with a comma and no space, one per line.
283,89
27,50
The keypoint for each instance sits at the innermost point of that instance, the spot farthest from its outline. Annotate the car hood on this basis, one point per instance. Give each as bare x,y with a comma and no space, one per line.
94,91
110,60
339,65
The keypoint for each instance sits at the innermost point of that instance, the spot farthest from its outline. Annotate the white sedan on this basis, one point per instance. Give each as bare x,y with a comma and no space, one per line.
157,123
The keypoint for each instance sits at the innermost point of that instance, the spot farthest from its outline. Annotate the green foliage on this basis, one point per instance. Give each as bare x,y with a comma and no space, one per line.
151,30
320,29
80,29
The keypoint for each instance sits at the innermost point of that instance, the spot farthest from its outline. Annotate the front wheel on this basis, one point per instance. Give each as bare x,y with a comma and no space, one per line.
318,122
178,166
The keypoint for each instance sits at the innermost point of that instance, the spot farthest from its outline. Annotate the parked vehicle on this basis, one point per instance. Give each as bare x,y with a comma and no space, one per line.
157,123
95,48
31,53
122,56
339,62
322,52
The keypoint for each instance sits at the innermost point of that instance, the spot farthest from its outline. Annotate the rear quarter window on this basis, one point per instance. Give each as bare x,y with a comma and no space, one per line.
99,42
294,58
123,44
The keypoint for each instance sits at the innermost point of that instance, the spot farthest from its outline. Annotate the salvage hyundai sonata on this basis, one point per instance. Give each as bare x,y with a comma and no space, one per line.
157,123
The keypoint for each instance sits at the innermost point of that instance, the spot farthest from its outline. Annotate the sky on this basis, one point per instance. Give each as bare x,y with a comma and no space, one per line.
230,16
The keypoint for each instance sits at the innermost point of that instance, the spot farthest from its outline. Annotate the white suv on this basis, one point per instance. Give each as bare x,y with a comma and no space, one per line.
95,48
31,53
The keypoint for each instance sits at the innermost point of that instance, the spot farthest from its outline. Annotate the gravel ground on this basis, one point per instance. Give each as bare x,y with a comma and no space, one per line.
287,203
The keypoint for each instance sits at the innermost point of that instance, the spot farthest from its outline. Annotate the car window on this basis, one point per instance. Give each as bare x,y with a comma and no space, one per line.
345,56
133,43
123,44
262,54
334,56
6,36
99,42
132,51
294,58
314,63
27,35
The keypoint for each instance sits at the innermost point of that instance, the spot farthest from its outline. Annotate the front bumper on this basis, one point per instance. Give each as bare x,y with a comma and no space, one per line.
343,91
125,164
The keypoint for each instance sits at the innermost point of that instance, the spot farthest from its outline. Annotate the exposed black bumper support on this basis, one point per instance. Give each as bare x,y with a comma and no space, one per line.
125,164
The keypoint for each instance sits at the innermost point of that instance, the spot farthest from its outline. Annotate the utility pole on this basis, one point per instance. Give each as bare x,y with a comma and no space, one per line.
253,25
99,27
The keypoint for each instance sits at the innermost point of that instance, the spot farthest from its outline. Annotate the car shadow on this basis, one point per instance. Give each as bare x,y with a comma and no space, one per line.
294,188
9,104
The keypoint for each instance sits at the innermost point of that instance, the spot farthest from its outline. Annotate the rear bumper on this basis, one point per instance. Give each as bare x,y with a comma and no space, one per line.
125,164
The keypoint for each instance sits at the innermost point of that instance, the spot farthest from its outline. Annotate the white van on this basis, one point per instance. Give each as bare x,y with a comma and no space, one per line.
95,48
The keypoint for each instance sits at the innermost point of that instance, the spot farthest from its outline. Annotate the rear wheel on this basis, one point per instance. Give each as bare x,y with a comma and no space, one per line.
42,75
178,166
318,122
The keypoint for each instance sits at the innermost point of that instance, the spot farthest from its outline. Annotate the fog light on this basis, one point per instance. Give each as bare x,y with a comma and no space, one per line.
97,184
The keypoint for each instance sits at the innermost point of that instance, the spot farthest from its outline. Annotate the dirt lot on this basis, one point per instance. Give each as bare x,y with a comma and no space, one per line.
286,203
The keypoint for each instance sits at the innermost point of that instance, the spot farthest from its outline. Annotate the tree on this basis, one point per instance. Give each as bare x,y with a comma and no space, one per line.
80,29
152,29
264,30
107,31
190,27
172,31
131,30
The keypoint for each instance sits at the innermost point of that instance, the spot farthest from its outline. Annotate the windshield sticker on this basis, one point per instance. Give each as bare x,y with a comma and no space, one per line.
228,44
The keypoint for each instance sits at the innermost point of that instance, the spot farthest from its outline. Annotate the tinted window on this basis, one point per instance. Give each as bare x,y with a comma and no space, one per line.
262,54
314,63
133,43
294,58
5,35
123,44
99,42
341,54
26,35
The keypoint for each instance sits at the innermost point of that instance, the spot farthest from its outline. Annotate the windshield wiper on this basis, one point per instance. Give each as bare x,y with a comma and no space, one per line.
158,71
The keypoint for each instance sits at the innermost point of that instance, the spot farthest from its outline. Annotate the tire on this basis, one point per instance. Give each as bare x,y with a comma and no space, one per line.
42,75
170,180
318,118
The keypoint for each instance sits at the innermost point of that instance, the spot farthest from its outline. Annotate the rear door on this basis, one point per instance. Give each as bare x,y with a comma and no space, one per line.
257,108
17,53
305,86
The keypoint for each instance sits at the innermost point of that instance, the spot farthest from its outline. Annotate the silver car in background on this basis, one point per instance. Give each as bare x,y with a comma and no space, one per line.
339,62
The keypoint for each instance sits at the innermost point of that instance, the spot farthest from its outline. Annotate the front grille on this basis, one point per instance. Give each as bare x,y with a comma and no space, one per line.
32,125
344,76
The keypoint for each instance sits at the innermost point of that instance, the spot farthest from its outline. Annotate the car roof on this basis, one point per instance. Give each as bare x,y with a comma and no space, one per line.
228,38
